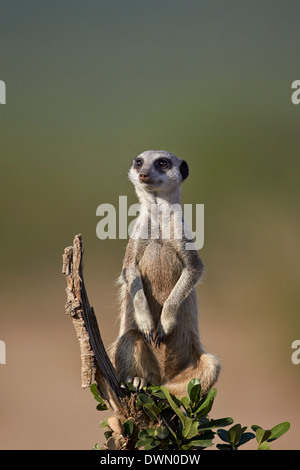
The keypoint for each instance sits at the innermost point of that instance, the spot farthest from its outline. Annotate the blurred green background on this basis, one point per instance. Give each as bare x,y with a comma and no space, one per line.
92,84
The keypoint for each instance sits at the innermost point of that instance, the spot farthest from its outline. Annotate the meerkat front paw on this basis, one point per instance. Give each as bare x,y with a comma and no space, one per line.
145,324
166,324
168,317
146,327
148,337
160,335
143,317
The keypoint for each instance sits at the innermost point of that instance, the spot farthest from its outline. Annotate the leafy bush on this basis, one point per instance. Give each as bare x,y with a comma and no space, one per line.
155,419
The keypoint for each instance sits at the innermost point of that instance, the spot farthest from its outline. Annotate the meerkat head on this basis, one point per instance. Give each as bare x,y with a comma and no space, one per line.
157,171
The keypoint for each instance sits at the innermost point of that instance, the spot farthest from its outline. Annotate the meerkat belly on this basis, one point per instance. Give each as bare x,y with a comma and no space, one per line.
160,267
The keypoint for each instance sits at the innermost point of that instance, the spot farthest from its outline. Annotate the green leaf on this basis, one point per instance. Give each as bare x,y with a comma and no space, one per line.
104,424
157,392
254,427
205,435
175,408
152,444
224,447
222,434
194,392
140,444
188,428
186,404
191,384
146,434
185,447
246,436
262,435
94,391
191,430
150,432
128,427
148,444
102,406
162,406
278,430
152,411
143,398
264,446
234,434
215,423
162,432
97,447
201,443
172,432
108,434
206,403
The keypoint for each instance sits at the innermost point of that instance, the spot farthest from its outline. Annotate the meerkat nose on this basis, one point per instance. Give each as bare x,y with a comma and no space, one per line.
144,177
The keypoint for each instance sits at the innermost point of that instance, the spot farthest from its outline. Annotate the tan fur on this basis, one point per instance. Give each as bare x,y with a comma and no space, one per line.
158,295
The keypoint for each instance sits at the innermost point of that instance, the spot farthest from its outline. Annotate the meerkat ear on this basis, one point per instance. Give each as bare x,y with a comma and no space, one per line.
184,170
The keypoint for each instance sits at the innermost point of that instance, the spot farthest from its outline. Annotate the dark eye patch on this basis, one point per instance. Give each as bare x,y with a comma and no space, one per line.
138,162
163,164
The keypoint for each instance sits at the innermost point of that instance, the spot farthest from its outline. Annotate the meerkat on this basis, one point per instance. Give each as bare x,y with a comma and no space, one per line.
159,340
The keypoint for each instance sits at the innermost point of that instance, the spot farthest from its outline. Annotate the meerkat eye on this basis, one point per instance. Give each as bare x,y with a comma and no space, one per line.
138,163
163,164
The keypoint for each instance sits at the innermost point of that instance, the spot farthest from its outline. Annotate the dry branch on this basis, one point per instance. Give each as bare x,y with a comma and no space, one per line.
95,363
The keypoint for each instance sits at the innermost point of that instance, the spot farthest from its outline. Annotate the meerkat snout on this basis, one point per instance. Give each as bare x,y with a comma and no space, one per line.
144,177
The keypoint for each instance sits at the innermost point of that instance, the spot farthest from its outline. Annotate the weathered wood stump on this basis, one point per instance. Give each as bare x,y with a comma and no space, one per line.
95,363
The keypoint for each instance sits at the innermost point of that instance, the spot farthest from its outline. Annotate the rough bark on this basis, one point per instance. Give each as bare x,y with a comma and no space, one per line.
95,363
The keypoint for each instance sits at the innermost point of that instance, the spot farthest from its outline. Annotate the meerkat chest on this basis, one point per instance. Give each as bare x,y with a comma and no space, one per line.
160,267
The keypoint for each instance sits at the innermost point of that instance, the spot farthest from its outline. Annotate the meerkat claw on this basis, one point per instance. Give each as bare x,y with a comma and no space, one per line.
148,337
158,340
151,335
